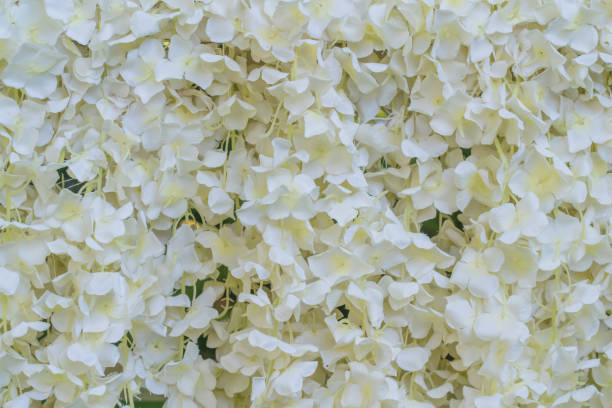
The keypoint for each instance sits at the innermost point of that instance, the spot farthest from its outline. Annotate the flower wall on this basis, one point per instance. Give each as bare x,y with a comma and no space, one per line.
324,203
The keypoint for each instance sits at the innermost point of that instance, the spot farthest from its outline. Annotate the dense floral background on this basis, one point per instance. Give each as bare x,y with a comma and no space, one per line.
324,203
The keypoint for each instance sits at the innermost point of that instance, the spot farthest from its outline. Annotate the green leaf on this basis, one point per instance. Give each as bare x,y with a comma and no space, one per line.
455,219
431,226
223,272
205,351
148,404
199,287
65,180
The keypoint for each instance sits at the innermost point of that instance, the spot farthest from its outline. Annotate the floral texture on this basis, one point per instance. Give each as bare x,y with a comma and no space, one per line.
306,203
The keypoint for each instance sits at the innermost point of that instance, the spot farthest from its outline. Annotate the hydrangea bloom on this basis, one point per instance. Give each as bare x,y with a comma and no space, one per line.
305,203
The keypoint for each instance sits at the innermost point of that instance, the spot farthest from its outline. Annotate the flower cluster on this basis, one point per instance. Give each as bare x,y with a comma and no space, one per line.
306,203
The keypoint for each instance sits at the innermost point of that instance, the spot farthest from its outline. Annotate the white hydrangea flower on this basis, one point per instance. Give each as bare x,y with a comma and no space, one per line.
139,69
295,204
512,221
474,271
34,68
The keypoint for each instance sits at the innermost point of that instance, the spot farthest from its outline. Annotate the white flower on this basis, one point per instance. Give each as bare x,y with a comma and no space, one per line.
459,313
540,54
474,183
108,220
570,29
338,264
201,311
504,321
364,386
35,69
320,13
225,246
449,35
71,214
296,95
183,61
290,381
539,177
93,353
192,380
585,125
556,239
400,293
25,123
169,196
451,117
513,221
144,120
475,269
34,25
520,265
322,203
370,299
236,113
139,69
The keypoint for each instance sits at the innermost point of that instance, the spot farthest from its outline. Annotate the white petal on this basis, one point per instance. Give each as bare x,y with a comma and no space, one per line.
411,149
33,252
208,178
494,257
95,323
125,211
577,141
403,290
9,111
463,172
203,317
483,286
199,76
413,359
81,31
459,314
59,9
76,352
440,391
143,24
352,396
487,326
585,39
213,158
480,48
41,86
314,124
291,380
586,293
397,235
101,283
490,401
442,123
584,394
219,201
107,230
304,184
9,280
272,76
167,69
315,293
220,30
